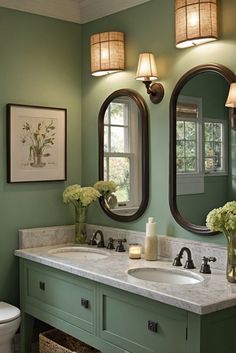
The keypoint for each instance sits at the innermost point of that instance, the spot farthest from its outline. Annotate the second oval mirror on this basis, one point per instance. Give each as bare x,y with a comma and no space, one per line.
201,143
124,153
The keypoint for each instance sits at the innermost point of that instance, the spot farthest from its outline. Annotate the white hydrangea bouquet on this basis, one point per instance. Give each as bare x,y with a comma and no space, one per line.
223,219
107,190
82,197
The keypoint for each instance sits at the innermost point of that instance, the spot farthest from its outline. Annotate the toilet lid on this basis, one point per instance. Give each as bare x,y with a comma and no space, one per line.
8,312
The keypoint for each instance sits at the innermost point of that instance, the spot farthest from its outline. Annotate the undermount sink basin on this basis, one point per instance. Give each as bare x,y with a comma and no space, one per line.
78,253
162,275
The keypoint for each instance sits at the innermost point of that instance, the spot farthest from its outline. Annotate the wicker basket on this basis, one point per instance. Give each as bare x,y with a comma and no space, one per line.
55,341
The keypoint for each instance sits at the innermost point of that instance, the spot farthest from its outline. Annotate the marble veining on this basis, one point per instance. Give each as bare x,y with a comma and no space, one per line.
213,294
168,246
36,237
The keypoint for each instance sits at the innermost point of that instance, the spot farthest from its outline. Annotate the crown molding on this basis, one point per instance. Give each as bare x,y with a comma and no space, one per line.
79,11
92,10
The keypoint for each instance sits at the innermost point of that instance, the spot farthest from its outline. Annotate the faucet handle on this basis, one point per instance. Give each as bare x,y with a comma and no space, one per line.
205,267
110,244
120,246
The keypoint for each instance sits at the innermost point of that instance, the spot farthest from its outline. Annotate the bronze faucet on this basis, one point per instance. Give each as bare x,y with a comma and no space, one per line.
100,243
189,263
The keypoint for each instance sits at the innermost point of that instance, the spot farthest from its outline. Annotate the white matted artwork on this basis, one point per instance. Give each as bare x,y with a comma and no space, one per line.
36,143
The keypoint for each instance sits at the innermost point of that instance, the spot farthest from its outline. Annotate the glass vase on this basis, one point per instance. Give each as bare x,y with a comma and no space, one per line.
80,224
231,257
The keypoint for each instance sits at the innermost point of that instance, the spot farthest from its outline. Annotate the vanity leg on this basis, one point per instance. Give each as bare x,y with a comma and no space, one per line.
26,332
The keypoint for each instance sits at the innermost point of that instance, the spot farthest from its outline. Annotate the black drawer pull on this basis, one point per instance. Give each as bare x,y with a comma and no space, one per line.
85,303
42,285
152,326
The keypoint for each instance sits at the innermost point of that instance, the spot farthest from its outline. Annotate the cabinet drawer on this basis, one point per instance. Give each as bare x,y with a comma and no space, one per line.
65,296
140,325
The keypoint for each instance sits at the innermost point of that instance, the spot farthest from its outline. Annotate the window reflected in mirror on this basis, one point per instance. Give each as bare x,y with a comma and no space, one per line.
201,155
123,151
193,131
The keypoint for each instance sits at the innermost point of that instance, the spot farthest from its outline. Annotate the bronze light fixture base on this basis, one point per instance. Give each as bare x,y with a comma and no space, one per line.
155,91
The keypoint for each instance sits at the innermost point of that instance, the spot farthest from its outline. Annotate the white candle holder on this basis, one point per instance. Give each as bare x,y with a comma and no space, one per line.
135,251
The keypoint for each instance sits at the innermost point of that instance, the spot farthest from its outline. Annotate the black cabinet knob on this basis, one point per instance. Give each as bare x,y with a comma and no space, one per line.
152,326
42,285
85,303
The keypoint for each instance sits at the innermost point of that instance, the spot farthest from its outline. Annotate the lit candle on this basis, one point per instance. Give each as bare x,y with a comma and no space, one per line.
135,251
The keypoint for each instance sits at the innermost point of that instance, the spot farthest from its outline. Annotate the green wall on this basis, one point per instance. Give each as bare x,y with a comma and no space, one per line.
149,27
40,64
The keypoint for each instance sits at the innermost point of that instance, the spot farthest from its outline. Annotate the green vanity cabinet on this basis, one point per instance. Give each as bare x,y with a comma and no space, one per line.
212,333
141,325
115,321
63,296
65,301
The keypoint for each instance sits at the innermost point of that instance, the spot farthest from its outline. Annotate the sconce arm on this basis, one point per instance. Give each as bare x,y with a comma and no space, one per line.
155,91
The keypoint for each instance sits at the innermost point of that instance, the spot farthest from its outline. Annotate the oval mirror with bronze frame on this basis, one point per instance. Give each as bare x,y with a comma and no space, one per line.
123,133
199,133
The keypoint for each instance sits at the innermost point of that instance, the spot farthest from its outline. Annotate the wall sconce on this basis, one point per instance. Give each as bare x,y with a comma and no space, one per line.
147,72
107,53
195,22
231,103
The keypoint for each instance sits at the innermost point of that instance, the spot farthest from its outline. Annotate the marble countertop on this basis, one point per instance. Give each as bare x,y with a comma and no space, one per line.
212,294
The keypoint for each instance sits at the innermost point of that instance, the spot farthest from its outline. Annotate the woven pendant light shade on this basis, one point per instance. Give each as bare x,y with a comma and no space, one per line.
195,22
107,53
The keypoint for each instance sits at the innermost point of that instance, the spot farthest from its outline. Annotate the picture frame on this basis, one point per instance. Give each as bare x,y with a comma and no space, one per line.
36,143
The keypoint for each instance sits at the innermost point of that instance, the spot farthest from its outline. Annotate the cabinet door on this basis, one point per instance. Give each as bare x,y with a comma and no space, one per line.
140,325
62,295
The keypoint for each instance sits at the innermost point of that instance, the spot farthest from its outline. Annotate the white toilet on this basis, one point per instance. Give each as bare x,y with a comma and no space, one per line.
9,324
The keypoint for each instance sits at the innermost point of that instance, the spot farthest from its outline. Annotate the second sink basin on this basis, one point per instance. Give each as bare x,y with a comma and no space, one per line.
78,253
162,275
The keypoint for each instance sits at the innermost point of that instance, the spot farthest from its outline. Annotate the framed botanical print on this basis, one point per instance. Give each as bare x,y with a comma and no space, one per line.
36,148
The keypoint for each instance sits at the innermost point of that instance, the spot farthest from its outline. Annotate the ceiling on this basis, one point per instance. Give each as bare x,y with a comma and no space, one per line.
79,11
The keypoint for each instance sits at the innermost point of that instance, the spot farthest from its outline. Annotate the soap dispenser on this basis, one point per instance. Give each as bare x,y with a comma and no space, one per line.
150,249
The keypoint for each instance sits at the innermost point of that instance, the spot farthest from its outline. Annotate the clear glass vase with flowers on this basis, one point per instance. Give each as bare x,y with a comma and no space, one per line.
81,198
223,219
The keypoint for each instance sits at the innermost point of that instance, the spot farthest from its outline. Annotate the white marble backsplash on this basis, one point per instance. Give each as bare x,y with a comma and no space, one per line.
168,246
36,237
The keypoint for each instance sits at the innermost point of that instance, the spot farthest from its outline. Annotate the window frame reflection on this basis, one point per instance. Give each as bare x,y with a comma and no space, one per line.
128,211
